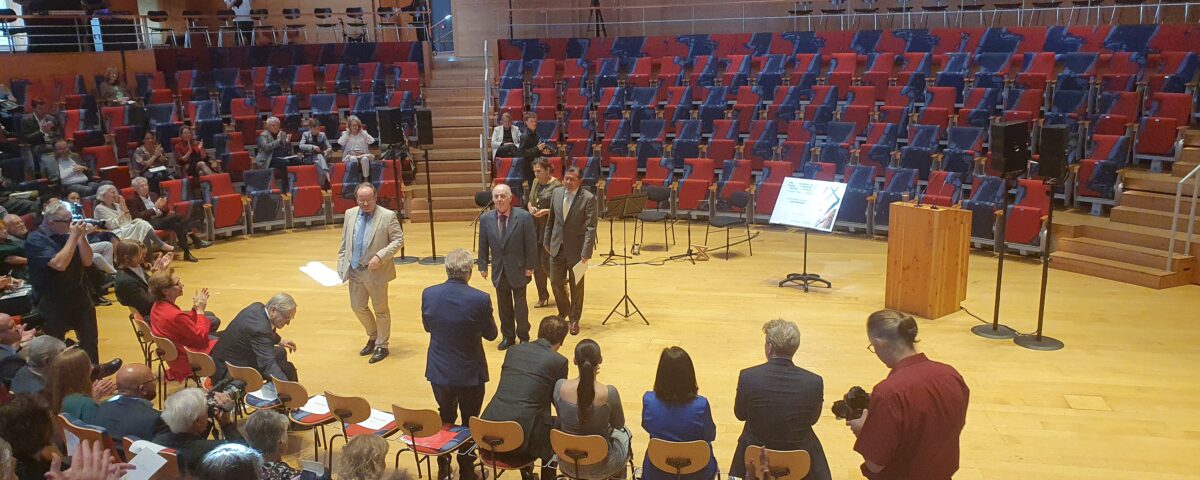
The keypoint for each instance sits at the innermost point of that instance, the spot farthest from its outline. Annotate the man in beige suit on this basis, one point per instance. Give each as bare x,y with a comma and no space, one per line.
371,235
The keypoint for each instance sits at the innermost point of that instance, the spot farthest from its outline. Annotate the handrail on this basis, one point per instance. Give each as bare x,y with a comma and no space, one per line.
484,137
1187,247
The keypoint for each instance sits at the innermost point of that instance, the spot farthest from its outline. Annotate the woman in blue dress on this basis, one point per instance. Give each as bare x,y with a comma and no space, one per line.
674,412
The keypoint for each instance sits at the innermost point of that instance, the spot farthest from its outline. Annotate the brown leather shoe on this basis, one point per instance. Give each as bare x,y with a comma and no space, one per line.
575,328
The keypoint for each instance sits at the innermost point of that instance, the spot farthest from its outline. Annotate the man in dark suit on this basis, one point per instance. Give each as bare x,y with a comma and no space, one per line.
129,412
251,340
40,129
457,317
780,403
532,146
526,388
570,238
11,336
148,206
508,241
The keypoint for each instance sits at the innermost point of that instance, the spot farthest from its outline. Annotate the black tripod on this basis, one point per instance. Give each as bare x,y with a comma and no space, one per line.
804,279
402,259
690,254
1037,341
611,257
625,206
432,259
596,20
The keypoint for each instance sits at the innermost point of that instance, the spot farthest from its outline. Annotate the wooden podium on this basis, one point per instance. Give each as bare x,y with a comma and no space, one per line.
928,250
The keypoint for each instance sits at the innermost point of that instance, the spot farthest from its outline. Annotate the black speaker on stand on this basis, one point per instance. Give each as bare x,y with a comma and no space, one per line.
424,140
391,132
1009,146
1052,168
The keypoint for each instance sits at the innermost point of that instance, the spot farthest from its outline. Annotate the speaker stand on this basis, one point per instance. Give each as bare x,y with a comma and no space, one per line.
1037,341
402,259
996,331
433,259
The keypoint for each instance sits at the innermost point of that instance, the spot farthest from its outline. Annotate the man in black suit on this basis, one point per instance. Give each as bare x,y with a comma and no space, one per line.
251,340
532,146
569,238
458,319
11,336
129,412
780,403
526,388
40,128
508,241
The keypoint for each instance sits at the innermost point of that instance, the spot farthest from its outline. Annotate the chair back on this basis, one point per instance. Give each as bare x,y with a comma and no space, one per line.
583,450
678,458
202,364
86,433
782,464
417,423
143,329
496,437
169,471
291,394
253,379
348,409
165,349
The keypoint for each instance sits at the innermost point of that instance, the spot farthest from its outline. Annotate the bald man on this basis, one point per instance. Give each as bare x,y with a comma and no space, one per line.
130,412
11,336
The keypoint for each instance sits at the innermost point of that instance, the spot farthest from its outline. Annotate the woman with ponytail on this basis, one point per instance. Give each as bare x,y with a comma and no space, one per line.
587,407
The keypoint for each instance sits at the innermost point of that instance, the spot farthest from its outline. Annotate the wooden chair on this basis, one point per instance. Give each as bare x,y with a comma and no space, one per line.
781,464
170,471
202,366
680,458
426,436
498,443
165,352
86,433
141,330
577,451
254,382
294,397
351,411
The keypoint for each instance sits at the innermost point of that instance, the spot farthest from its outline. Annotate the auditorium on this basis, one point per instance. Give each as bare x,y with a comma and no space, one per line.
817,240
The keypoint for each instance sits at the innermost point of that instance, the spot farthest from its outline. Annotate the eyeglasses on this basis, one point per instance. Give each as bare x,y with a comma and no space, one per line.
61,221
871,347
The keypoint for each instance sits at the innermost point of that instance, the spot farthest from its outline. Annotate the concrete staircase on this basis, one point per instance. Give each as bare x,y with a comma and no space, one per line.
1132,246
455,97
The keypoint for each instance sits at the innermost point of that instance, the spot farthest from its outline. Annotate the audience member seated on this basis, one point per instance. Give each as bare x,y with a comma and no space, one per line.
8,149
191,158
9,105
10,201
15,226
273,146
190,330
42,352
251,339
64,167
152,208
231,461
12,336
28,426
132,282
186,414
780,402
150,161
267,432
674,412
111,92
110,208
356,147
365,458
12,256
70,389
505,137
587,407
40,129
526,389
130,412
316,149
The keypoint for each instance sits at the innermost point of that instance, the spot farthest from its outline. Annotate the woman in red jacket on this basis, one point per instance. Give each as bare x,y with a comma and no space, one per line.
186,329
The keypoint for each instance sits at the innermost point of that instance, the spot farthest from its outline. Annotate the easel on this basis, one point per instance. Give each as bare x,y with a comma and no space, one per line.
622,207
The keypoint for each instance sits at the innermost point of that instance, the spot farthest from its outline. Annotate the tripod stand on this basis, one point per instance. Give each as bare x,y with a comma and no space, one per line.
804,279
612,255
402,259
690,254
432,259
1037,341
596,20
625,206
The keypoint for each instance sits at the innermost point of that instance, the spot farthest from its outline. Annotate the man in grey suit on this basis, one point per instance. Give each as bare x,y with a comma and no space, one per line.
371,235
570,238
508,241
272,144
252,339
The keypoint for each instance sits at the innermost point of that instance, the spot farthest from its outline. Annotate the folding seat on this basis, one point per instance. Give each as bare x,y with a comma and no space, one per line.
1024,221
921,149
723,142
231,151
944,189
227,77
987,195
544,102
963,146
556,165
1037,69
406,77
1078,70
785,103
622,173
704,71
687,141
1096,179
1174,73
223,212
102,159
993,69
825,172
678,104
287,109
1121,72
206,119
508,171
821,109
1164,122
856,206
652,134
747,104
839,145
643,104
843,67
76,97
939,106
735,177
915,69
549,131
362,105
672,71
806,73
400,99
1023,104
342,182
608,73
370,74
900,181
179,196
736,71
510,101
512,74
114,121
695,182
391,193
188,86
262,81
304,83
590,166
1069,108
879,149
979,107
324,109
580,135
152,88
1115,112
660,172
612,102
307,199
877,72
266,201
859,106
771,76
898,104
640,72
761,144
542,73
769,184
713,107
798,147
83,126
618,135
576,73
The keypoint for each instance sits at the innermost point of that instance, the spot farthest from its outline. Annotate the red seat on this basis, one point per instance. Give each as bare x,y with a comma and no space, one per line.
622,173
308,200
224,210
694,186
940,192
1024,221
768,190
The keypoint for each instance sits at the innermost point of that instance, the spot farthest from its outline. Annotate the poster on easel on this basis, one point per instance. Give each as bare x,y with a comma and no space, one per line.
806,203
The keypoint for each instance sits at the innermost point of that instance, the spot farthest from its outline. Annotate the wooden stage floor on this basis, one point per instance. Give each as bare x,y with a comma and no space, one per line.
1120,401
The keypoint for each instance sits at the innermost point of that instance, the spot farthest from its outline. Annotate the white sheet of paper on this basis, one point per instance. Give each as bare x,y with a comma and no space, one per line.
157,169
267,393
140,445
317,405
315,467
72,442
321,274
145,464
578,270
378,420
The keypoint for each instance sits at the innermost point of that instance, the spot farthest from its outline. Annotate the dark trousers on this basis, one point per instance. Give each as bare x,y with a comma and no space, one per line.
514,311
174,223
289,369
452,401
61,315
561,279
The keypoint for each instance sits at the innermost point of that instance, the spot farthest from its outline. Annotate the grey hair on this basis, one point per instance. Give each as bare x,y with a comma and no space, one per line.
104,189
139,181
458,264
264,429
7,465
366,185
281,303
503,187
183,408
352,119
52,210
43,350
231,461
783,336
271,120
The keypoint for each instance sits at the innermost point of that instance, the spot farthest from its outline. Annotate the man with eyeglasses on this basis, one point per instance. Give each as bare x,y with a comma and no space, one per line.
130,412
252,340
11,337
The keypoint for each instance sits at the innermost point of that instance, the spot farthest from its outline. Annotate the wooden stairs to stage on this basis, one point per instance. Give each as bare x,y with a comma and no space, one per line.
1132,245
455,98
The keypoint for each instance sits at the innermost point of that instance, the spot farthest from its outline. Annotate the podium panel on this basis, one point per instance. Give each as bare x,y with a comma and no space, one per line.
928,253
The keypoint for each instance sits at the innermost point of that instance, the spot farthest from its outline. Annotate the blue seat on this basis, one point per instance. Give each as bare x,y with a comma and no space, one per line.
611,104
963,145
900,181
986,198
771,75
266,201
922,146
512,74
860,184
163,120
362,105
651,136
687,141
643,104
324,109
713,107
608,73
841,138
207,120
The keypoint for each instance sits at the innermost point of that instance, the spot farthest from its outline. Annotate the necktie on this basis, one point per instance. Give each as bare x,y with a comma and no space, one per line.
503,223
567,197
360,231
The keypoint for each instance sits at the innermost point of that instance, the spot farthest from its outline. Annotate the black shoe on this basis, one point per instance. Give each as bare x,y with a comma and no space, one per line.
106,369
198,242
101,301
504,344
189,257
380,354
367,349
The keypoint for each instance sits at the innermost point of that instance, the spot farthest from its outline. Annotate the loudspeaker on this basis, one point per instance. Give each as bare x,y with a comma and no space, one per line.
1052,153
1010,147
391,126
424,126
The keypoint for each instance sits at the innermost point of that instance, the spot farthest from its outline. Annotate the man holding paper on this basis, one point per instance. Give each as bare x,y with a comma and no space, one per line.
570,238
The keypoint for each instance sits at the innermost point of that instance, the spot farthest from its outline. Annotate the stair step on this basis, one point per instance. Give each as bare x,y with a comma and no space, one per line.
1137,255
1150,218
1181,169
465,81
1129,234
457,121
459,111
1115,270
448,165
1151,200
1155,182
463,102
472,132
455,154
449,142
444,177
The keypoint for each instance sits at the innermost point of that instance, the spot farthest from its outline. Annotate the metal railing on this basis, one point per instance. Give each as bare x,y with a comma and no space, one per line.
443,35
1191,218
485,134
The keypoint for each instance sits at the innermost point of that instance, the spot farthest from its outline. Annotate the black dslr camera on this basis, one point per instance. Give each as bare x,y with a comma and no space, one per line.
229,386
851,406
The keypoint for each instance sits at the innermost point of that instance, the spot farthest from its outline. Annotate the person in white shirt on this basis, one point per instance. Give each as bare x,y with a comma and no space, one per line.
356,146
506,136
61,166
111,210
245,24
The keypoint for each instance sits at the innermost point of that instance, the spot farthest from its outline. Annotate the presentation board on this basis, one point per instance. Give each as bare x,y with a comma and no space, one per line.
808,203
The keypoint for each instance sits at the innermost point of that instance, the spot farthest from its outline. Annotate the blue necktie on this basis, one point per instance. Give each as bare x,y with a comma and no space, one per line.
360,231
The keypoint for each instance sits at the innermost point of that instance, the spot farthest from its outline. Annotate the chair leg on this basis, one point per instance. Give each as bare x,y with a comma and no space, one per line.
749,240
728,247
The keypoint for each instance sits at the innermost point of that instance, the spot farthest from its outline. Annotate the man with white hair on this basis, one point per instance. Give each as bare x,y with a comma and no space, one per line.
371,236
155,210
42,352
59,256
187,417
508,242
252,339
231,461
61,166
272,144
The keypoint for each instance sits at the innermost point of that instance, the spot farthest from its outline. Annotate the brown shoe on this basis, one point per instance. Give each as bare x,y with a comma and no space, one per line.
542,302
575,328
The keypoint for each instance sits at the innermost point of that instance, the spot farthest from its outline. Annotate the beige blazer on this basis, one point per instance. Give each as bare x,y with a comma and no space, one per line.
386,239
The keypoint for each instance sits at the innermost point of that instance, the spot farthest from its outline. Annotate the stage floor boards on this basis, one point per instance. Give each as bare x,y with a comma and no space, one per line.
1120,401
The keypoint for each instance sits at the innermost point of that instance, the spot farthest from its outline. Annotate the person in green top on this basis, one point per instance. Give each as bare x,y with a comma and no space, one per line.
540,192
69,386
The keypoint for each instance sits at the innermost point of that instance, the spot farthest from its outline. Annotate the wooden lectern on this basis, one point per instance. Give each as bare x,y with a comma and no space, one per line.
928,252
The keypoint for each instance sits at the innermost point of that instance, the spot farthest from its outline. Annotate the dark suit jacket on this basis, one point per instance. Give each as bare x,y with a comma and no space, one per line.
191,449
129,416
133,292
513,252
573,233
137,209
31,131
526,391
457,316
248,341
25,381
780,403
10,363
